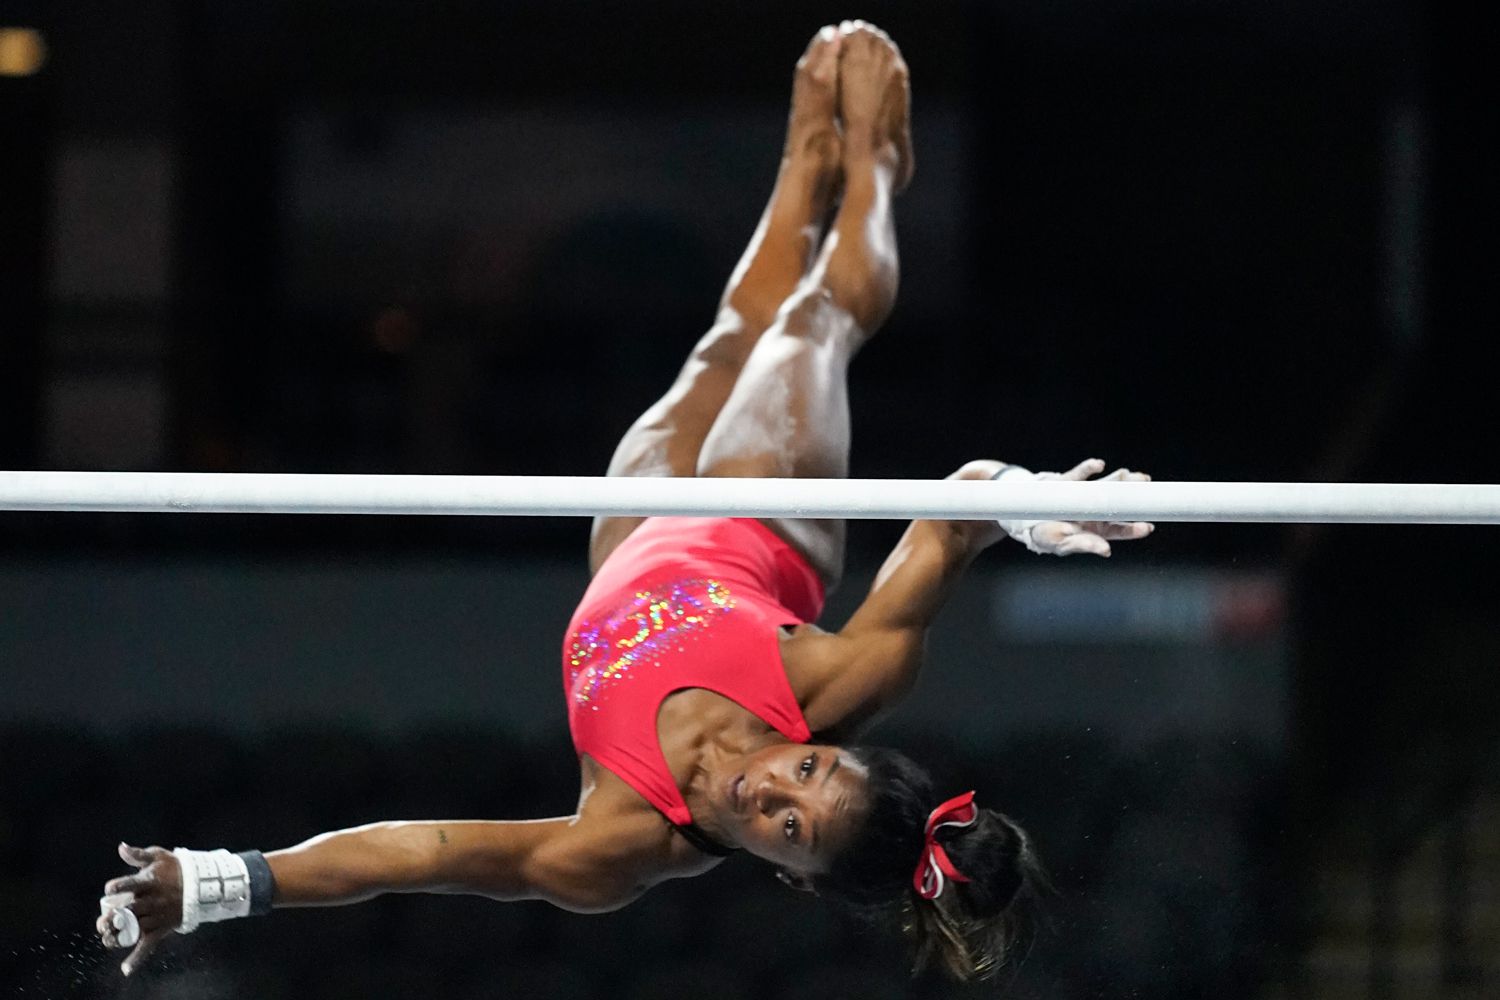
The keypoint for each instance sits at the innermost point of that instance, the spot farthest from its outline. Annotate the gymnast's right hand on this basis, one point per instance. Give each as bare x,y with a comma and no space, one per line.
157,905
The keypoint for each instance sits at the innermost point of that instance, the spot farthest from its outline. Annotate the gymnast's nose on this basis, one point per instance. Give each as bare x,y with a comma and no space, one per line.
771,795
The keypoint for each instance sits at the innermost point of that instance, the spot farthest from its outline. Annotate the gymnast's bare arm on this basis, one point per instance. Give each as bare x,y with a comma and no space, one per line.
845,679
585,865
559,860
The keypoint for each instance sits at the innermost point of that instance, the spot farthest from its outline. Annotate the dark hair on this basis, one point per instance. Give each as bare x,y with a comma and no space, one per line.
974,928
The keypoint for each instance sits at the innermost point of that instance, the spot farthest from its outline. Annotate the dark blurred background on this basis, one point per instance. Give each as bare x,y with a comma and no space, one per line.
1240,241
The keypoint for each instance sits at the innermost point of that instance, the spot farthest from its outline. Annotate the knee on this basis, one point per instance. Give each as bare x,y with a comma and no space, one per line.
813,313
727,343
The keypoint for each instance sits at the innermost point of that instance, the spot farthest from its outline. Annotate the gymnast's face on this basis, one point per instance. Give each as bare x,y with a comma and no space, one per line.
793,804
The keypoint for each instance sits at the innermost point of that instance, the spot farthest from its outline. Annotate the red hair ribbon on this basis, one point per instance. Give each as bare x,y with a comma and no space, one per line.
936,867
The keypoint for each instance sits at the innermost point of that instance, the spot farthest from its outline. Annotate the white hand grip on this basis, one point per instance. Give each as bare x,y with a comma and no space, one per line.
117,908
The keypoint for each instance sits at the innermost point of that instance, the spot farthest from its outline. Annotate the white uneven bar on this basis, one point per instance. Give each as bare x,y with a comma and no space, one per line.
264,493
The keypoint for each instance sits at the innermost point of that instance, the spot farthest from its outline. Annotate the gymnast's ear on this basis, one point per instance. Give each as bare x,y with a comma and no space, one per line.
799,882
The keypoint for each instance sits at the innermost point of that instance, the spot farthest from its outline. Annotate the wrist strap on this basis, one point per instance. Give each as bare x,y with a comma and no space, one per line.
215,886
262,882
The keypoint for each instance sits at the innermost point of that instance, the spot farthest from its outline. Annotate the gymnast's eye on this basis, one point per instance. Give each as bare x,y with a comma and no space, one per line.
791,827
809,765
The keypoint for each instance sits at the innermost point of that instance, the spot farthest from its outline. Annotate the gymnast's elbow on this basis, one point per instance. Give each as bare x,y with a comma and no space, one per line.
575,884
591,901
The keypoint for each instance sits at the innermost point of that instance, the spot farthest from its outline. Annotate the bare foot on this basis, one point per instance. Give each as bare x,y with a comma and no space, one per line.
813,141
875,99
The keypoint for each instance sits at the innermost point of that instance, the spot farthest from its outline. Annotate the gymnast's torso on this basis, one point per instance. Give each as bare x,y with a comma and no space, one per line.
681,633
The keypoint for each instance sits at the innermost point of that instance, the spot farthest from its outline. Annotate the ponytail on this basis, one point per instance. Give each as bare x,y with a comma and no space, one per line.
975,925
975,928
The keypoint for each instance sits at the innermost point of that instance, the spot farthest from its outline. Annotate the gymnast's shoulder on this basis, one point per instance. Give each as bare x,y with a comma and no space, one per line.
843,680
612,853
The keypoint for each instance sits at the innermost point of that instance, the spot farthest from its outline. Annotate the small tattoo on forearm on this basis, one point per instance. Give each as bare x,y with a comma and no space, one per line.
442,837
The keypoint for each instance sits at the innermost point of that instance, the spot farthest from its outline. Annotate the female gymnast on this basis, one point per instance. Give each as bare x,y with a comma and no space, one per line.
708,714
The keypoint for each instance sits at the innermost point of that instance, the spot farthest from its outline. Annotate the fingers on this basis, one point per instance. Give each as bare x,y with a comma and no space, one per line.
1091,467
1121,531
154,909
1085,542
1067,538
139,857
149,918
1083,470
120,927
142,950
105,928
130,883
1123,475
149,903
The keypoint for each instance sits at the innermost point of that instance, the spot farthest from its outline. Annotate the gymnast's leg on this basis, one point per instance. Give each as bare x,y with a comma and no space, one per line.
789,412
666,439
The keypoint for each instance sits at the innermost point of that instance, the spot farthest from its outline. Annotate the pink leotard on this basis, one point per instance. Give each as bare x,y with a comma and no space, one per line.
683,603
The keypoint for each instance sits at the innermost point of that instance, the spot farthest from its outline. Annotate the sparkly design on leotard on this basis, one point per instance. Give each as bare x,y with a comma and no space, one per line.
654,623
